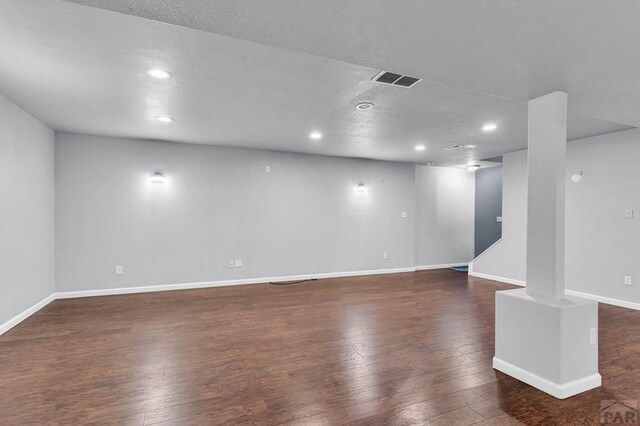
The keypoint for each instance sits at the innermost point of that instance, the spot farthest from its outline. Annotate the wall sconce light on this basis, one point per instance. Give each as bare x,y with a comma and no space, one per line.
157,177
576,177
361,187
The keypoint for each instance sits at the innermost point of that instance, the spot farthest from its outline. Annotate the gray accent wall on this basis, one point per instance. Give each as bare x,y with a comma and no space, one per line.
26,211
488,208
601,244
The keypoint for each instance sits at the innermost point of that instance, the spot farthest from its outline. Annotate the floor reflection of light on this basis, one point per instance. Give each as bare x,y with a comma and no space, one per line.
410,413
360,373
158,356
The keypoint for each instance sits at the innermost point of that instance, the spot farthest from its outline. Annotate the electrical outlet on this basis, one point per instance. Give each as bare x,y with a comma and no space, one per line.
627,280
238,263
628,213
267,169
231,264
499,219
405,215
119,270
385,256
593,336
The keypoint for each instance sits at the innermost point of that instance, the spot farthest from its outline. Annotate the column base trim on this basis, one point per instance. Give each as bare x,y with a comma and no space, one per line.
560,391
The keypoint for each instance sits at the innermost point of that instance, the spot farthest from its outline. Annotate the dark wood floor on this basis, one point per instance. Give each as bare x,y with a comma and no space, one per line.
410,348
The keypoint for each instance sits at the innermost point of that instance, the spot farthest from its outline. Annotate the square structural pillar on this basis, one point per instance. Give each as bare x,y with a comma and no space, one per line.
543,337
551,346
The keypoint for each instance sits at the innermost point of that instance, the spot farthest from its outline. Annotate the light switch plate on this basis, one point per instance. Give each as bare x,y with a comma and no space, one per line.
119,270
405,215
628,213
238,263
499,219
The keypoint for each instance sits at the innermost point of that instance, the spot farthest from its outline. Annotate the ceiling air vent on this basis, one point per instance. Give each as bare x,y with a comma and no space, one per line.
451,147
396,79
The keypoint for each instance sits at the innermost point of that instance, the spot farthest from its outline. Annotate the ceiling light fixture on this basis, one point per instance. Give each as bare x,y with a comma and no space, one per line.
158,73
489,127
315,135
361,187
473,167
164,119
157,177
420,148
364,106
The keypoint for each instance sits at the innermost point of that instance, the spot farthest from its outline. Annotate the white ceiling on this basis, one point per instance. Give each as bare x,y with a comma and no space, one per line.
81,69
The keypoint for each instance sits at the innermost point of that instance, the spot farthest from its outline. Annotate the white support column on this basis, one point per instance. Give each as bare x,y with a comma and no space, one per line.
547,140
543,337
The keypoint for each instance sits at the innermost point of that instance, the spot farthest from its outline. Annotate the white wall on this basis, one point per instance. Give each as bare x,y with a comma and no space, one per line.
601,245
219,204
444,215
26,211
507,257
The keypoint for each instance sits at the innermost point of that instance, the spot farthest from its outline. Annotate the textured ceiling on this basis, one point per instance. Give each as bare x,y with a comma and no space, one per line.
81,69
518,49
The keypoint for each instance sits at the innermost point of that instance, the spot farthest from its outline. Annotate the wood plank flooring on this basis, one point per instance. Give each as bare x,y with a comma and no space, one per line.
410,348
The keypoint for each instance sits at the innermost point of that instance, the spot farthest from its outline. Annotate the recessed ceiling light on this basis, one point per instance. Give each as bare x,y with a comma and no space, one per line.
158,73
473,167
364,106
157,177
419,148
489,127
469,146
361,187
164,119
315,135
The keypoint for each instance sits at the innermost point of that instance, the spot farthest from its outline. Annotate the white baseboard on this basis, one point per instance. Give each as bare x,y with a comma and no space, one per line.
185,286
26,314
601,299
557,390
487,250
607,300
497,278
224,283
443,266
